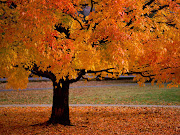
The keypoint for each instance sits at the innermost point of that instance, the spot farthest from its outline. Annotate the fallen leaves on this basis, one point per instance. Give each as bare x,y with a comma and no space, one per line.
91,120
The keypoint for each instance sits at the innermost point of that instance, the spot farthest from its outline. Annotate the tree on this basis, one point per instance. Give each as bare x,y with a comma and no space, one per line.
50,38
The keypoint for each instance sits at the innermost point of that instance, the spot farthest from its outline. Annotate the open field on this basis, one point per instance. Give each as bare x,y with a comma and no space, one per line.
95,95
92,120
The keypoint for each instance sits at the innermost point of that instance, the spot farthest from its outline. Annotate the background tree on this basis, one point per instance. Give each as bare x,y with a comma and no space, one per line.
59,40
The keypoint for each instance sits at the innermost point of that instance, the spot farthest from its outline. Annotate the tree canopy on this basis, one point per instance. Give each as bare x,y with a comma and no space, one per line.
117,37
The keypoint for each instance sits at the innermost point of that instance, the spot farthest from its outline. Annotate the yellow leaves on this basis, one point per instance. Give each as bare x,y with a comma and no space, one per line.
83,58
162,2
17,78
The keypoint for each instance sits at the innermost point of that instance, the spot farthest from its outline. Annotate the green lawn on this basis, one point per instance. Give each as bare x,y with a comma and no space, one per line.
99,95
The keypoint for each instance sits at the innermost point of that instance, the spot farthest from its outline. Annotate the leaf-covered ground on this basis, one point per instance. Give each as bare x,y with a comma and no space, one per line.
92,120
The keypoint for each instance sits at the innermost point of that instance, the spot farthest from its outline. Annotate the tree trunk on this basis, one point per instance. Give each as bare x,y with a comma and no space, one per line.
60,107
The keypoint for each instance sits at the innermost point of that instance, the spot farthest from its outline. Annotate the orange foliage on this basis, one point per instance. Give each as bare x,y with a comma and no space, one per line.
124,35
92,120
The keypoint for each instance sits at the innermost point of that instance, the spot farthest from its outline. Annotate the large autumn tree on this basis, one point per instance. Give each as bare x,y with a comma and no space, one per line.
65,39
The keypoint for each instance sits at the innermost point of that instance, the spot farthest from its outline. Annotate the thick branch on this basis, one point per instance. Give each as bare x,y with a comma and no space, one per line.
143,74
83,72
147,74
104,70
47,74
80,74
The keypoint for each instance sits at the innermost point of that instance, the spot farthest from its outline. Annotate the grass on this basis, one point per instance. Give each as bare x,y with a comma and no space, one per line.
127,95
99,95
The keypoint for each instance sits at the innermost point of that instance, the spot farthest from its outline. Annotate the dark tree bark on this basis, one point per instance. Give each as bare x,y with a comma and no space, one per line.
60,108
